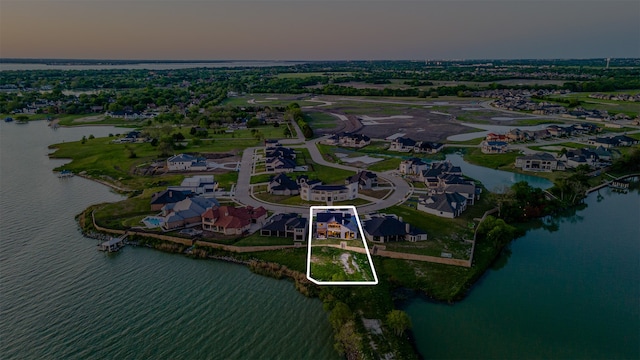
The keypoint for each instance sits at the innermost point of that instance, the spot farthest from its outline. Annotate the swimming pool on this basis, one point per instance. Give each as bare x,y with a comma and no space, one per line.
152,221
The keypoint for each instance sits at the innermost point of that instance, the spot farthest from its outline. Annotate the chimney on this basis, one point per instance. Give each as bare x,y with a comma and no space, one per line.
170,194
407,228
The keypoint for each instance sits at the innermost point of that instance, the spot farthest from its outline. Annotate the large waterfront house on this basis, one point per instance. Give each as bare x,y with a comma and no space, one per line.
286,225
162,198
186,213
539,162
387,228
413,166
335,225
230,220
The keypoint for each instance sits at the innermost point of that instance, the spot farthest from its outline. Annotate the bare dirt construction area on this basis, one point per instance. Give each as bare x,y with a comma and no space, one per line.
420,119
90,119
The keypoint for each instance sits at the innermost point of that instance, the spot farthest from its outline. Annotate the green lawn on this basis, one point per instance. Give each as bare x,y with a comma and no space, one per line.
320,120
256,239
384,165
493,161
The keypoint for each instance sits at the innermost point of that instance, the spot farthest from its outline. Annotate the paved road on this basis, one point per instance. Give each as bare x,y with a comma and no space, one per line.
402,190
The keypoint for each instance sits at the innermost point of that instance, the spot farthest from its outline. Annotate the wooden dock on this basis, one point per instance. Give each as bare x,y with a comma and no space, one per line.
112,245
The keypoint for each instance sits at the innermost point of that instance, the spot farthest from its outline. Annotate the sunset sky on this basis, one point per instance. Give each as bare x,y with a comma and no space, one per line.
318,29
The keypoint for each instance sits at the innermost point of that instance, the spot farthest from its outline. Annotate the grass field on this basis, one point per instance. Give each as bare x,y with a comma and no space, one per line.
319,120
330,264
384,165
493,161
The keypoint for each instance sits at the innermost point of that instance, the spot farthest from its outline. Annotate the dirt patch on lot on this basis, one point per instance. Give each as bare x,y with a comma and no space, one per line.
91,119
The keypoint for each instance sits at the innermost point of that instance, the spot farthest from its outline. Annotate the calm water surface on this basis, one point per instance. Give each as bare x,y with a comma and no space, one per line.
493,179
61,298
569,294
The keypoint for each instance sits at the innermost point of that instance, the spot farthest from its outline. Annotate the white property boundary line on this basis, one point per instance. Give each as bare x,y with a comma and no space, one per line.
364,241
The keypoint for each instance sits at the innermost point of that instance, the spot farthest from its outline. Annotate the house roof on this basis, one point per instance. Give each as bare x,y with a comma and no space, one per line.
284,182
389,226
361,176
538,156
405,141
230,217
282,222
182,158
169,196
430,145
447,202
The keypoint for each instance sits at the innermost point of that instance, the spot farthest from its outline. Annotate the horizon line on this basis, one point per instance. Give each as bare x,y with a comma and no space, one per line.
28,59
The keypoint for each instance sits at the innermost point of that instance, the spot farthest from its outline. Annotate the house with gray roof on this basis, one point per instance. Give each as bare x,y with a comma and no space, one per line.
281,184
199,184
186,162
427,147
186,213
279,164
365,179
448,205
412,166
387,228
162,198
402,144
286,225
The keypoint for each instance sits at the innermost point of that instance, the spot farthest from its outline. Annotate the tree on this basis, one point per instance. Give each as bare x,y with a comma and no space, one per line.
287,132
398,321
349,341
340,314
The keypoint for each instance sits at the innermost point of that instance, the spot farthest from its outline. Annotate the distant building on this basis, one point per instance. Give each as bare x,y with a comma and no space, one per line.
538,162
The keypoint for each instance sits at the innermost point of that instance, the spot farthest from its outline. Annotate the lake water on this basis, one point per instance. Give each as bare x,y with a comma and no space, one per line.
145,66
494,180
569,294
60,298
573,293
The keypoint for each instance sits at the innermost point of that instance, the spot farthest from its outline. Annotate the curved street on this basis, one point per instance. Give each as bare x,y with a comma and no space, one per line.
401,189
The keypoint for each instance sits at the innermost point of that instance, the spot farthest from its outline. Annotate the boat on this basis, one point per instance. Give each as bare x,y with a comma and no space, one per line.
65,174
